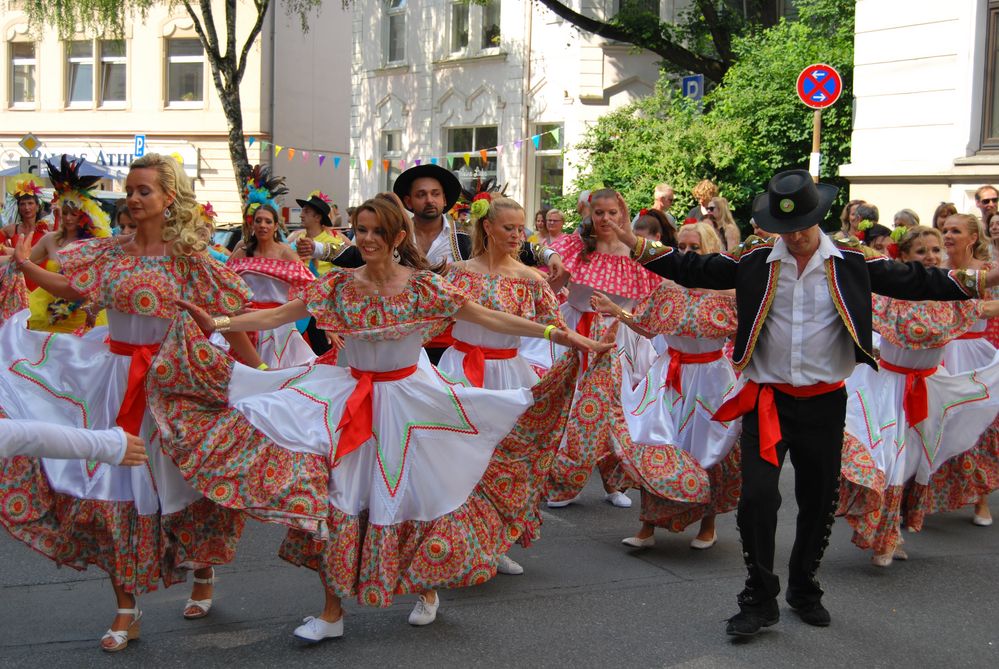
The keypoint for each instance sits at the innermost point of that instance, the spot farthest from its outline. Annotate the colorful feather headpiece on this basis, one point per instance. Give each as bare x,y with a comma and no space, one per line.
261,188
76,192
27,187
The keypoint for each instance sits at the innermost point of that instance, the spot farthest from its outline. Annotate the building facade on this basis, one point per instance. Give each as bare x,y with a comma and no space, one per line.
926,117
502,90
89,96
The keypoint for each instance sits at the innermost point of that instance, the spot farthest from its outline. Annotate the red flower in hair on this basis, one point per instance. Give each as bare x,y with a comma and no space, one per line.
643,212
689,221
483,196
892,250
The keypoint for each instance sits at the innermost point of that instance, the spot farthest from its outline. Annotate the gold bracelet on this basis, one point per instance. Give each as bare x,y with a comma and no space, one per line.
639,249
221,323
548,332
625,315
263,367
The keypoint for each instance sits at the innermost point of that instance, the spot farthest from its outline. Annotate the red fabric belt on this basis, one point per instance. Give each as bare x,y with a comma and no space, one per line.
583,327
133,406
474,363
355,424
677,359
443,340
914,399
972,335
763,394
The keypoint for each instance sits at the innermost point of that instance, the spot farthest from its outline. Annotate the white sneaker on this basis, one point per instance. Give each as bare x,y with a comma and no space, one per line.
424,613
552,504
317,629
505,565
618,499
702,545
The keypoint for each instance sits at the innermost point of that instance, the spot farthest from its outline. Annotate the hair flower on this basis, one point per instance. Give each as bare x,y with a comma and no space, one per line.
865,224
643,212
480,207
898,233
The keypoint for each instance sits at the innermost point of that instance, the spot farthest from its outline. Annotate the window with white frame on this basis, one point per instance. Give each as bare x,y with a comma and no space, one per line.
395,31
462,142
80,73
474,27
392,152
113,73
990,99
459,27
548,165
23,70
185,73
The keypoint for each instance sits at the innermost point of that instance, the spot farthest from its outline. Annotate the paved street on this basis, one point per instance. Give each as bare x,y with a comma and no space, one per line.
585,601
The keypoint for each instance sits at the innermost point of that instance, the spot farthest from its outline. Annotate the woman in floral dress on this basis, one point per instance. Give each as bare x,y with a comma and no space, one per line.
141,525
495,278
393,481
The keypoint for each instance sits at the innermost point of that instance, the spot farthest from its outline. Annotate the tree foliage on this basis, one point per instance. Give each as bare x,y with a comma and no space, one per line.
225,51
750,126
701,40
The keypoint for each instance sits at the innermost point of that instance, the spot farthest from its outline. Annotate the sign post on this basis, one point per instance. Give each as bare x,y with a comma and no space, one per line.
819,86
140,146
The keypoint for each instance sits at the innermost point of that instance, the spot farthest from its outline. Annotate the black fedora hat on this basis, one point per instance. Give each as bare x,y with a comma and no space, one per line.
793,202
448,181
320,205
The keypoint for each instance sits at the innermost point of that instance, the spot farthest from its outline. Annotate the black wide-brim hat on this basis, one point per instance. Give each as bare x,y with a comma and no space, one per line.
793,202
448,181
322,207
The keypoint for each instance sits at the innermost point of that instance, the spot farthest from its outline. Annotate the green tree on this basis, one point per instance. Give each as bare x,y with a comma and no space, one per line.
702,40
226,57
749,127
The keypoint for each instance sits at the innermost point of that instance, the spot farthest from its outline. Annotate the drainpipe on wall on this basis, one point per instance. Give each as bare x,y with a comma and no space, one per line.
526,190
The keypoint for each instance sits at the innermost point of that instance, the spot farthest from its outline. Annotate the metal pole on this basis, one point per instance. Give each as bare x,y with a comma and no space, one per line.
816,140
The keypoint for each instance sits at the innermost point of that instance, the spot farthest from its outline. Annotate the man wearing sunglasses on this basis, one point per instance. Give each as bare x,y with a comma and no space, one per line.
986,199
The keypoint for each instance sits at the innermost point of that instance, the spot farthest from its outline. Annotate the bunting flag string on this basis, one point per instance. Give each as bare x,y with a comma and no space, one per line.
386,164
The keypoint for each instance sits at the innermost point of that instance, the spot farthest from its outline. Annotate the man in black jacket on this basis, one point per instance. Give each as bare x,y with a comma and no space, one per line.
804,308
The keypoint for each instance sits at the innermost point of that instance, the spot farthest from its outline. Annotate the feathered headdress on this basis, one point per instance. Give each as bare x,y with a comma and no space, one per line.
27,187
482,191
260,188
77,191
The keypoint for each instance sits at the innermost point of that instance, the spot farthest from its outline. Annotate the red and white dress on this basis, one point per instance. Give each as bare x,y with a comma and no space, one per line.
270,280
393,481
141,525
598,432
691,378
13,293
913,417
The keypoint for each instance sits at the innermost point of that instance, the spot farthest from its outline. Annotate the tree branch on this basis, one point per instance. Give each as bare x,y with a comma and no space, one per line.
230,32
262,6
669,50
214,59
719,35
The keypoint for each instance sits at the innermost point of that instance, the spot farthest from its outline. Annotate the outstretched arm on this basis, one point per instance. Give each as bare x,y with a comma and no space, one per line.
606,306
251,321
504,323
48,440
57,284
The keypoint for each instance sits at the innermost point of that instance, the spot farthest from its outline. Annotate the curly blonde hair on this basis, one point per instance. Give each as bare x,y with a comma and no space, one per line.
710,241
705,190
185,229
973,225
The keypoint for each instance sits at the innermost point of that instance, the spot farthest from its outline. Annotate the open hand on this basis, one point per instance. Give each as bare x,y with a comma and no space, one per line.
200,316
573,339
622,226
603,304
305,246
22,250
135,451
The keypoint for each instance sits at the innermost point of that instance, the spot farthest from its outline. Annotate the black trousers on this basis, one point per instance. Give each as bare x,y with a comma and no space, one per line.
812,432
435,354
317,338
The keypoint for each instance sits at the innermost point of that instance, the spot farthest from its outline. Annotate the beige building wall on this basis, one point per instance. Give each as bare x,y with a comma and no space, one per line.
196,132
919,76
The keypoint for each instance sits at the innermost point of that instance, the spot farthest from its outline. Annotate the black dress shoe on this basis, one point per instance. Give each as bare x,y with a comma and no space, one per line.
813,614
752,617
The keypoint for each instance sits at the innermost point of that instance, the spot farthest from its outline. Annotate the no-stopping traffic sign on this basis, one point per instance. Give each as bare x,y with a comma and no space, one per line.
819,86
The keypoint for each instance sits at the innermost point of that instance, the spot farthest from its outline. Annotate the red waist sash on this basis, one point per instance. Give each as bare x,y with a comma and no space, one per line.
914,398
443,340
677,359
583,327
474,363
133,406
972,335
763,394
355,424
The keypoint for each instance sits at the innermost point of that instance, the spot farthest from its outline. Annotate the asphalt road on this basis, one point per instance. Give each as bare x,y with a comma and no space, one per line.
585,601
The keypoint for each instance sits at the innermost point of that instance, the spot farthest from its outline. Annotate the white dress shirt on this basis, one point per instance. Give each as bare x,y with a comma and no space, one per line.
47,440
803,340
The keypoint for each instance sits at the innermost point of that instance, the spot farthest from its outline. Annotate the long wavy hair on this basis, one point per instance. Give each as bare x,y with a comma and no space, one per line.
586,227
185,230
392,221
479,239
250,241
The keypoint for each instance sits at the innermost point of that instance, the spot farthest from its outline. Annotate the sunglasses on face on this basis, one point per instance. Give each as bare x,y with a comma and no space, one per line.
711,208
989,200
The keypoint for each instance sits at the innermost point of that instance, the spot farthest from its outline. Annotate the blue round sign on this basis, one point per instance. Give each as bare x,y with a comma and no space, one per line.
819,85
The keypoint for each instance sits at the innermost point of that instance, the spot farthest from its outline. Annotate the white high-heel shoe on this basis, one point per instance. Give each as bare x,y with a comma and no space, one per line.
122,637
203,605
